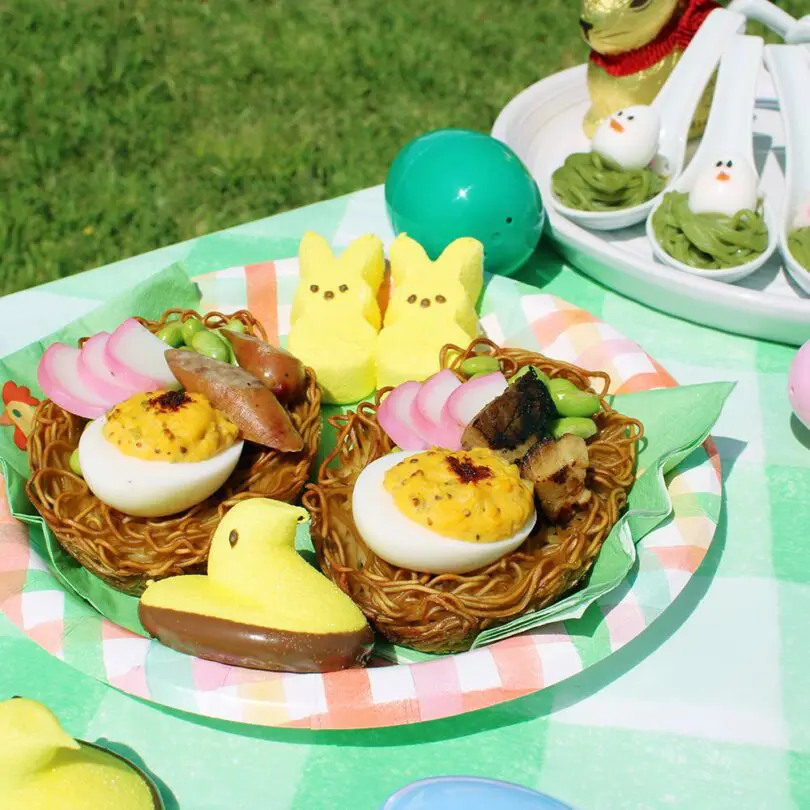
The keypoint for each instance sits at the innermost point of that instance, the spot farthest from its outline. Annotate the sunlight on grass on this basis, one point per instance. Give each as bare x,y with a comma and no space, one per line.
126,125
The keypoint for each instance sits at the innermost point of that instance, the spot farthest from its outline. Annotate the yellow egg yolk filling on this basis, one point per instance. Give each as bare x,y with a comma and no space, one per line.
173,426
473,495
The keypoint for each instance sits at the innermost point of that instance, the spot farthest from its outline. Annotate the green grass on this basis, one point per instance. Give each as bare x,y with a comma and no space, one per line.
126,125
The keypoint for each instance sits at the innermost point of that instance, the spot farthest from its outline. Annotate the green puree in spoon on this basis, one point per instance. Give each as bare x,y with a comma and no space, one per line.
708,241
799,244
589,182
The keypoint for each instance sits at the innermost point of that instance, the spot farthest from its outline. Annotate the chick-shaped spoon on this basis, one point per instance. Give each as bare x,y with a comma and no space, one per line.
790,70
44,768
791,30
711,223
674,107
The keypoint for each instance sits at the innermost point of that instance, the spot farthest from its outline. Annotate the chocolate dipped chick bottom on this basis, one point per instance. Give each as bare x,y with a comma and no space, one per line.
256,647
261,605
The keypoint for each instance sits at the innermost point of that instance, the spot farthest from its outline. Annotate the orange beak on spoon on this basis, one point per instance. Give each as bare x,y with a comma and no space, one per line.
723,177
616,126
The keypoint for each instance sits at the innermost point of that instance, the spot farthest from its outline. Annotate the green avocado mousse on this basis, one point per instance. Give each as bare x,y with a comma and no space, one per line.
616,173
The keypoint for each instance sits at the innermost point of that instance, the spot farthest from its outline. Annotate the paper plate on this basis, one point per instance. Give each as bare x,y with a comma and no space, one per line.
543,124
72,631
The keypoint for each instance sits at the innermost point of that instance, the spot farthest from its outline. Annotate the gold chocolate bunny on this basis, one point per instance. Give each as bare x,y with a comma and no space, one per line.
635,44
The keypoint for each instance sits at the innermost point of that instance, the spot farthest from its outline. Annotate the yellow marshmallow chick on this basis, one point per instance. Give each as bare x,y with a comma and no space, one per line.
43,768
433,303
335,316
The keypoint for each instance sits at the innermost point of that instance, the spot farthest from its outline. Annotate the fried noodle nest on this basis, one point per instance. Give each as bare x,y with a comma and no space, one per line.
127,551
443,613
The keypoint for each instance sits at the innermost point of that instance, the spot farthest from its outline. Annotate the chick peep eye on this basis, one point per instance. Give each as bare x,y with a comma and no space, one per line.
313,288
411,299
344,287
729,163
620,114
719,163
631,117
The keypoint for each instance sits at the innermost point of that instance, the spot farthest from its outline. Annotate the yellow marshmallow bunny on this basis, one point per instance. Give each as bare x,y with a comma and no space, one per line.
335,316
433,303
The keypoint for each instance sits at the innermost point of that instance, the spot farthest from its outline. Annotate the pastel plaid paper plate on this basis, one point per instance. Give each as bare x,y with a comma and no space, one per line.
512,314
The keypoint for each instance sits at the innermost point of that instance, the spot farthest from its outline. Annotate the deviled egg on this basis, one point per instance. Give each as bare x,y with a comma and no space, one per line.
441,511
158,453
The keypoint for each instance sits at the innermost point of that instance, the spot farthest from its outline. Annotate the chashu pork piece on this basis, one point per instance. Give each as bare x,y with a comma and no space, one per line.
557,469
514,421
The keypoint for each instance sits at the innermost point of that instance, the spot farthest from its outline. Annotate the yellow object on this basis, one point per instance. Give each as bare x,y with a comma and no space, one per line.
43,768
169,426
256,577
433,303
474,496
614,27
335,316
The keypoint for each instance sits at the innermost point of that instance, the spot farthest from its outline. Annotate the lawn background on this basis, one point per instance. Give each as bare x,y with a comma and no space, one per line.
129,125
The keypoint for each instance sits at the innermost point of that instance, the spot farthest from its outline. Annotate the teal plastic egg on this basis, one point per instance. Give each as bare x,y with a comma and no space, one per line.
455,182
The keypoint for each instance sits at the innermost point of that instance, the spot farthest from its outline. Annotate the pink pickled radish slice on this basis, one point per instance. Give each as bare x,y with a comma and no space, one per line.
137,358
466,402
394,417
96,374
427,411
58,377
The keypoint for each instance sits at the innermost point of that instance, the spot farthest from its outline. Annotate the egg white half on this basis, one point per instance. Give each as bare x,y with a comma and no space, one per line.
149,488
401,541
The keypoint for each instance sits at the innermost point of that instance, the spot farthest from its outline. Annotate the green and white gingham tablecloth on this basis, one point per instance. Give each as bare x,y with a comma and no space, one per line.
708,708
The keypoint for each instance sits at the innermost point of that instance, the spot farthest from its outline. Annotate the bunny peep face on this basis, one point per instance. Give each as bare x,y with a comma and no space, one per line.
629,138
616,26
727,185
343,287
433,304
429,294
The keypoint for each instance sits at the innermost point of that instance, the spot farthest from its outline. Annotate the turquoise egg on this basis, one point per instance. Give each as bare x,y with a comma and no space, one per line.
454,182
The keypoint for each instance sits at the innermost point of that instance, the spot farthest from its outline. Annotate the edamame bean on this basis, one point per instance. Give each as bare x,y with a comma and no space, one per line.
576,403
559,384
479,365
74,462
211,345
172,334
235,325
541,375
190,328
229,346
579,426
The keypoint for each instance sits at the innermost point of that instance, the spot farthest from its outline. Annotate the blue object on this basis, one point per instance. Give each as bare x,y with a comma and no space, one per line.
469,793
455,182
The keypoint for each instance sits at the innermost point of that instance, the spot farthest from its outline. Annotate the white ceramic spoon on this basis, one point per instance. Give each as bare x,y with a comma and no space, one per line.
790,70
791,30
675,103
728,130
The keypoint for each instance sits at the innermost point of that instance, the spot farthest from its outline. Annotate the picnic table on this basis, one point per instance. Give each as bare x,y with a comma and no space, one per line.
708,707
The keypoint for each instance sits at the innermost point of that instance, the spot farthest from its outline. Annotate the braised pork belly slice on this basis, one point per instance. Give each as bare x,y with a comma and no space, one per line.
514,421
557,468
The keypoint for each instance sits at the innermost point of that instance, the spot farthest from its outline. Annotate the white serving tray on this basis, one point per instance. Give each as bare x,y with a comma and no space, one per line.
543,124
